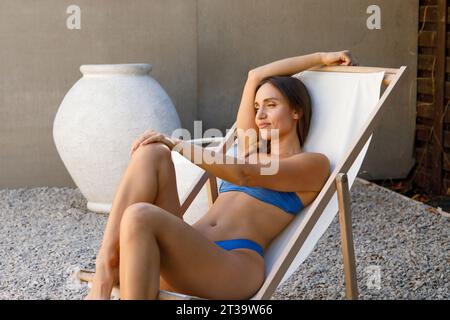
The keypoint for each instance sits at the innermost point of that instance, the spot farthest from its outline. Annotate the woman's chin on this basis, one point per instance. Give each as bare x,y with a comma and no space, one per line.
264,134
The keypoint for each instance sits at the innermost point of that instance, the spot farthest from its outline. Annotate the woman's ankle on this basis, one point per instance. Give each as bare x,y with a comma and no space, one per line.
109,258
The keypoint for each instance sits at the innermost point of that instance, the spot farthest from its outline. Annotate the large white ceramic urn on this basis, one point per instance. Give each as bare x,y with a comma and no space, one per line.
98,120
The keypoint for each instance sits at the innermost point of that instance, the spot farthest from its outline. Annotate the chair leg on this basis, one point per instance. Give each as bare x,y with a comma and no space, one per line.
211,186
345,222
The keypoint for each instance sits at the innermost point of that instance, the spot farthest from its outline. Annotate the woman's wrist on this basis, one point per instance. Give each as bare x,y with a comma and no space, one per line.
175,143
321,57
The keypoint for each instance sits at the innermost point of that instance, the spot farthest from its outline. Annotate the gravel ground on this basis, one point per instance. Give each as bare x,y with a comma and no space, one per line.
402,247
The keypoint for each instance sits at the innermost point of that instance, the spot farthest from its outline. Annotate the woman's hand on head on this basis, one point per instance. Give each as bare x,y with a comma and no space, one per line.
339,58
152,136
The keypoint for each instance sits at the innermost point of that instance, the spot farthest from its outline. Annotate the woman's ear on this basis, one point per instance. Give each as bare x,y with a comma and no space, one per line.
297,114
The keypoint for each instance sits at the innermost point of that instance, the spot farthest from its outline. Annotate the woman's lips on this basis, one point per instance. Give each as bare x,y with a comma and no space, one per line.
262,126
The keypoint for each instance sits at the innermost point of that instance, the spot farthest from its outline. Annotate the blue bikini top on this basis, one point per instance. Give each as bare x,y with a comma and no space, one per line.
287,201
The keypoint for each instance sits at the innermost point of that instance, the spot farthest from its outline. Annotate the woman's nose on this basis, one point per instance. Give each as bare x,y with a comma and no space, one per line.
260,114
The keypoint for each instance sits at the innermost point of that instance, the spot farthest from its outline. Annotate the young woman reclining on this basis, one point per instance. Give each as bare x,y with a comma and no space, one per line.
148,246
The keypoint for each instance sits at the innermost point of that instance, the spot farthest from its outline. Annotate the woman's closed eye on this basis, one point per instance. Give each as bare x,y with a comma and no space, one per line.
267,105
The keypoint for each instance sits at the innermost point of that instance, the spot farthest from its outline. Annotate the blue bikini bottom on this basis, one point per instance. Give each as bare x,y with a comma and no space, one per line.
240,243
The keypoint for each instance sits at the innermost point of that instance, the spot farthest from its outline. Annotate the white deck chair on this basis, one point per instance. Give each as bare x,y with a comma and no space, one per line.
346,107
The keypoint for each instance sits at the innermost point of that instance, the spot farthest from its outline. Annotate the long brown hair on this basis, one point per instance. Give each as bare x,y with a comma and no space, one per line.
298,97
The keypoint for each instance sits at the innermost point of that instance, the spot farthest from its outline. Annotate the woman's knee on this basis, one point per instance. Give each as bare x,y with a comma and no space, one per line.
154,150
140,218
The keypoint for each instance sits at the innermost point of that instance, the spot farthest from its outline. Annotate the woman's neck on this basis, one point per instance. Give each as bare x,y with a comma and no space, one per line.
287,146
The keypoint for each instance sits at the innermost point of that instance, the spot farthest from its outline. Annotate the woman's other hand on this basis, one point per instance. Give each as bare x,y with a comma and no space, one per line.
339,58
151,136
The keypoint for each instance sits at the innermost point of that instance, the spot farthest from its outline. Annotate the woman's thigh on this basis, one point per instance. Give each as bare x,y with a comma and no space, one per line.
192,264
167,195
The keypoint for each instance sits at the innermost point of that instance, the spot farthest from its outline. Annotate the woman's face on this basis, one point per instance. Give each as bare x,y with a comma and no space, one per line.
273,112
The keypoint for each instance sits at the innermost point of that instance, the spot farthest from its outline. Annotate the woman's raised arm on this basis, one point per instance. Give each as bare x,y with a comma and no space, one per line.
246,115
285,67
290,66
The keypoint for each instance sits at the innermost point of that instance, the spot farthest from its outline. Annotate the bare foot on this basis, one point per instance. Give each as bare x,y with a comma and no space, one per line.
104,280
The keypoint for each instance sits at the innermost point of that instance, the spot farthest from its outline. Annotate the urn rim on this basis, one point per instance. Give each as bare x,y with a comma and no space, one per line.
124,68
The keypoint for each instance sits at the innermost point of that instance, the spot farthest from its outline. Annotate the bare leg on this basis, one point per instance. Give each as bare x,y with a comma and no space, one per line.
154,242
150,177
139,258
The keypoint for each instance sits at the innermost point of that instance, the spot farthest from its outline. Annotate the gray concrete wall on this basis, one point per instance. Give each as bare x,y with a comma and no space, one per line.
201,51
40,59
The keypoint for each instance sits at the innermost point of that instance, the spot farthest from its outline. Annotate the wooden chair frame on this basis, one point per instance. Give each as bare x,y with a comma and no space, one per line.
337,182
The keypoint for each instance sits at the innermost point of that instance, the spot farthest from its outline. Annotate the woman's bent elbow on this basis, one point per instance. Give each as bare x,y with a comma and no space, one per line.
253,75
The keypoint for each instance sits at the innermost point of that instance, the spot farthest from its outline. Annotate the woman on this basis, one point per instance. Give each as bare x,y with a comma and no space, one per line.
149,247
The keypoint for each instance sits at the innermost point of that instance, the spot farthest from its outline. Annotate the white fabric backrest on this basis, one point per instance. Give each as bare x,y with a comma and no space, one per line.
341,103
